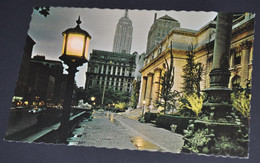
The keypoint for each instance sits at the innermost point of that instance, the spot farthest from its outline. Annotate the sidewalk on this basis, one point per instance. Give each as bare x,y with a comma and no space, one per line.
111,130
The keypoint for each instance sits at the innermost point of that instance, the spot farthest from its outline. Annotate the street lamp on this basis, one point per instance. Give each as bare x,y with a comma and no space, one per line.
93,101
74,54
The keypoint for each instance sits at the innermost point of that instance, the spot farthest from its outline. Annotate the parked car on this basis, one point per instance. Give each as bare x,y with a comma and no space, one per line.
35,110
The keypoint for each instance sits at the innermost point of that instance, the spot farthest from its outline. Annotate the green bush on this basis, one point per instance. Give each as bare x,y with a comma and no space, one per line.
121,106
193,102
148,117
165,121
241,102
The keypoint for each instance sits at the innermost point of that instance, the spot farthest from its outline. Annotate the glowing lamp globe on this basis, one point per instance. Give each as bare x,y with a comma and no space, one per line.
75,45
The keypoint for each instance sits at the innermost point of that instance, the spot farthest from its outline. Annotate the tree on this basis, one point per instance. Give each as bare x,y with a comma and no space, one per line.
166,82
192,74
135,95
45,11
111,96
191,99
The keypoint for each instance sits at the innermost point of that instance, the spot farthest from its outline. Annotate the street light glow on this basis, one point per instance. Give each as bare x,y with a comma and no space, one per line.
75,45
93,98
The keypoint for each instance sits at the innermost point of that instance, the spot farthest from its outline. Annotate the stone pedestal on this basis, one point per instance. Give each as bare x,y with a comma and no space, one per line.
208,136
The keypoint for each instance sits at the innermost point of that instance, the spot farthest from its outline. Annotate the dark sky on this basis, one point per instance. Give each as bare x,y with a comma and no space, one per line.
101,25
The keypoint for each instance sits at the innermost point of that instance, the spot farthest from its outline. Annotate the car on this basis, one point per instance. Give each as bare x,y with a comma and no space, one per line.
35,110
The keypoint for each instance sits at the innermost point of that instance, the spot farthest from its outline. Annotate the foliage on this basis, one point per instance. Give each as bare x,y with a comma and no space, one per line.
166,121
148,117
45,11
194,103
122,106
111,96
167,96
241,102
192,73
94,92
135,94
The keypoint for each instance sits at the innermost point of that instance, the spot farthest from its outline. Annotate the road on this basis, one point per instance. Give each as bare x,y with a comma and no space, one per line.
19,120
114,130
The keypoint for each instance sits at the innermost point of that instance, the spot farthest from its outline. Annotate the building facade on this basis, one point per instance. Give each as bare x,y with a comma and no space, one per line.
123,35
159,29
46,81
110,70
203,42
139,60
20,89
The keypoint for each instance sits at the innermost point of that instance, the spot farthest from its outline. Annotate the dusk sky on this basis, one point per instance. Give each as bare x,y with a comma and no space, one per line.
101,25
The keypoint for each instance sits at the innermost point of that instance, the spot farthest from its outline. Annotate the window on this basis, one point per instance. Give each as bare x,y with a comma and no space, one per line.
236,81
237,58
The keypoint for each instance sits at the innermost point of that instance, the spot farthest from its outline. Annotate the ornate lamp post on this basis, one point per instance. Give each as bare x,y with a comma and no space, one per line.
218,130
74,54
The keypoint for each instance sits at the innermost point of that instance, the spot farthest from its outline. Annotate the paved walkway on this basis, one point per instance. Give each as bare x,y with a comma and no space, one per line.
112,130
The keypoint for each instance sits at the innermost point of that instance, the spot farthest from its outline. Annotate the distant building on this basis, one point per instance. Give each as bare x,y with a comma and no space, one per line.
20,89
46,80
110,69
241,56
123,35
159,29
139,61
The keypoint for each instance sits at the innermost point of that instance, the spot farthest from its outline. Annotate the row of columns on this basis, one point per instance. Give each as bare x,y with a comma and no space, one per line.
244,48
244,62
150,88
118,70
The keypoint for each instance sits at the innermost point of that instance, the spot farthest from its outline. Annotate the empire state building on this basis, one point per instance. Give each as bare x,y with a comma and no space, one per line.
123,35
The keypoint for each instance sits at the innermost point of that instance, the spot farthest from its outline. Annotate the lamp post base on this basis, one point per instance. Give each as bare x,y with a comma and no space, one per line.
64,127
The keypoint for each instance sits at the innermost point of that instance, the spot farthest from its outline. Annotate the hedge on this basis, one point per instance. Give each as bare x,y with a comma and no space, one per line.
165,121
148,117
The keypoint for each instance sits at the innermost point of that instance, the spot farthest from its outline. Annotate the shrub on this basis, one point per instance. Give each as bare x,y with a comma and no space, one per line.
165,121
193,102
148,117
241,102
121,106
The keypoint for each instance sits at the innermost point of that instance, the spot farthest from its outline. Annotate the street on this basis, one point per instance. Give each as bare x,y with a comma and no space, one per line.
116,130
20,120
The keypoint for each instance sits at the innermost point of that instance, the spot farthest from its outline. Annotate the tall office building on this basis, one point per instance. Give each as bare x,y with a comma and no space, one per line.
107,70
159,29
123,35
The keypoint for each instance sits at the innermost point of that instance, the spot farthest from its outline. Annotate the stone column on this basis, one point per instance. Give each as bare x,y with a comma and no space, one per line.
218,95
102,69
232,57
156,85
222,41
244,62
148,89
121,70
112,69
161,74
142,90
116,69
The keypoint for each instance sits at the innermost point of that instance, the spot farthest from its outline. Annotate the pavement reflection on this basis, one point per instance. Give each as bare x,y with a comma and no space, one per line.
143,144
